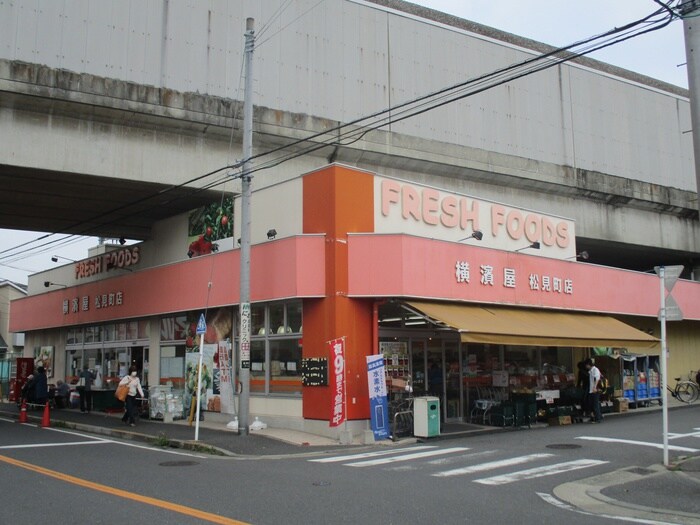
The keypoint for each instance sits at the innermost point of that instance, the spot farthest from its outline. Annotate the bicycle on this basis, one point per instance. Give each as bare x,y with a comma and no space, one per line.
401,413
685,391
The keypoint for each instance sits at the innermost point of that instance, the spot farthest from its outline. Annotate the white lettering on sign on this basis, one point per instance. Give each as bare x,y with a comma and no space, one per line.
403,207
536,282
82,304
109,261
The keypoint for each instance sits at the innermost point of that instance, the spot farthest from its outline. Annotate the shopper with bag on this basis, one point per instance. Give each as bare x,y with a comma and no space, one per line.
133,383
85,379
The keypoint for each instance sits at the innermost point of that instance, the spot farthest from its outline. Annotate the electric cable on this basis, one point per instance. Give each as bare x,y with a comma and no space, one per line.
360,131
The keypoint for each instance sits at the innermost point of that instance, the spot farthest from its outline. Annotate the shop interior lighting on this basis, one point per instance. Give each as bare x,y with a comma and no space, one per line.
476,234
55,258
49,283
535,246
271,234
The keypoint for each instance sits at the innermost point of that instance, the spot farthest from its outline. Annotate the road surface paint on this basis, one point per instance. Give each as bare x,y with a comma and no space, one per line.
406,457
640,443
539,472
492,465
174,507
364,455
565,506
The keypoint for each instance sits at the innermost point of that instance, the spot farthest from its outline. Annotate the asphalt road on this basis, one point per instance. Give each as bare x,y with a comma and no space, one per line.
72,477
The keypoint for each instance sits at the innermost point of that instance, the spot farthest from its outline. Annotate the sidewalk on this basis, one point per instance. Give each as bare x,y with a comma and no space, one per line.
652,494
213,435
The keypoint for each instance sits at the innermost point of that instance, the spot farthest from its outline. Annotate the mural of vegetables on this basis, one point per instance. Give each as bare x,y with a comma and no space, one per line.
209,224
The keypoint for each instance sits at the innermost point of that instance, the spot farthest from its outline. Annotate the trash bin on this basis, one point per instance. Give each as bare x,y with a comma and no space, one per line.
426,416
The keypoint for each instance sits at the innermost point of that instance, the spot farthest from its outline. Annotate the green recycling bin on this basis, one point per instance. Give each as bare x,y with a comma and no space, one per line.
426,416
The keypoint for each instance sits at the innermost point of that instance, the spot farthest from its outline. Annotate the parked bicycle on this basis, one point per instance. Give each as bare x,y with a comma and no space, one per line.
686,390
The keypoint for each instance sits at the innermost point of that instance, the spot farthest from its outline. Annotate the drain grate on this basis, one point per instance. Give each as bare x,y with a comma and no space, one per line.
641,471
178,464
563,446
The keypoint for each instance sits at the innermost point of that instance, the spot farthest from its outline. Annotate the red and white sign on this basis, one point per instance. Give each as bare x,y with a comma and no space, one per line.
337,380
109,261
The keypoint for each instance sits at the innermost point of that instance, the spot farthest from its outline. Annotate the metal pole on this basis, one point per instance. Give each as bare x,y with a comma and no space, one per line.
689,9
664,373
244,334
199,386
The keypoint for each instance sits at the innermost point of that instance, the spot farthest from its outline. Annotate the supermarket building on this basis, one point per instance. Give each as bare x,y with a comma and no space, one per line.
380,261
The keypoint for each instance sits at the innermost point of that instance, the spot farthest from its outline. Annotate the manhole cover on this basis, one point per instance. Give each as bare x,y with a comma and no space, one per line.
563,446
639,470
178,463
321,483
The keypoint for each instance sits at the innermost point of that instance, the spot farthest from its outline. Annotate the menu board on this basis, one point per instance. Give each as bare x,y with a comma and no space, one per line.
314,371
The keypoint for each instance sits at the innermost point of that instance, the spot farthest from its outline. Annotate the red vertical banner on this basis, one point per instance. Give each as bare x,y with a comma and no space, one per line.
337,382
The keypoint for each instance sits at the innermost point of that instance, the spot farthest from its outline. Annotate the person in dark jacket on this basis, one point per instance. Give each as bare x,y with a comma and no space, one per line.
39,390
85,390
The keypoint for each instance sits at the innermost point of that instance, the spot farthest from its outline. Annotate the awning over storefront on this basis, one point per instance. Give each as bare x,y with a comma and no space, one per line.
523,326
3,344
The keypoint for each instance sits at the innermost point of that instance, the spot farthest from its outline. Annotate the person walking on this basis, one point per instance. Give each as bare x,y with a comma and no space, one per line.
85,379
594,377
134,383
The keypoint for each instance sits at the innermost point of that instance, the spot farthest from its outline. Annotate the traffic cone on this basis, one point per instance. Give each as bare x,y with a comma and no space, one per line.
46,420
23,412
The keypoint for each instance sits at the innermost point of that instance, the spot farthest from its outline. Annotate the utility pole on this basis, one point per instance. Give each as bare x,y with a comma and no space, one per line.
244,333
689,10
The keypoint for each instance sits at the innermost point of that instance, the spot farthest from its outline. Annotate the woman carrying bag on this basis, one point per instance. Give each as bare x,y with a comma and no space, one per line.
133,383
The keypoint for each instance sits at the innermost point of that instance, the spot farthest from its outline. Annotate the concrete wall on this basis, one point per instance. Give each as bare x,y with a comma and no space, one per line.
344,59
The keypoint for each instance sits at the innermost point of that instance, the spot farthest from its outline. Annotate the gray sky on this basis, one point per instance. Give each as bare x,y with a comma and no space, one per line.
555,22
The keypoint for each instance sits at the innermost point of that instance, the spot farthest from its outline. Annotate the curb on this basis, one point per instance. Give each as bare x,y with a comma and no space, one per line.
192,446
586,495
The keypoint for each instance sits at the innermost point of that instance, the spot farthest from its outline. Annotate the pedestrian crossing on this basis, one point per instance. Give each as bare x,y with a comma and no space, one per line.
435,462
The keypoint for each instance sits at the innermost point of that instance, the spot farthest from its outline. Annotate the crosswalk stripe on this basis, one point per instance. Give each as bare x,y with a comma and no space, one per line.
491,465
539,472
406,457
640,443
363,455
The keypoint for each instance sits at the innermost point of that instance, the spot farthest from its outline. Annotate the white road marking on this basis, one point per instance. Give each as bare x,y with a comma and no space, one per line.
39,445
406,457
565,506
7,420
124,444
539,472
491,465
640,443
673,435
445,461
338,459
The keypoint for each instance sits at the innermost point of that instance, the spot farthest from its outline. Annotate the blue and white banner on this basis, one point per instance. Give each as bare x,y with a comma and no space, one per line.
378,403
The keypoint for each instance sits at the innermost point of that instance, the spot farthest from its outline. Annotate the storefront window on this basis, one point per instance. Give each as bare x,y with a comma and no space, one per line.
75,336
172,366
93,334
143,329
257,366
111,368
285,366
275,366
294,322
257,321
108,332
277,319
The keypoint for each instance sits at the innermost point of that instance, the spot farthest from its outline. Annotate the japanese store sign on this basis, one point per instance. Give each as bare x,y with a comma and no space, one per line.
403,207
337,383
489,275
98,302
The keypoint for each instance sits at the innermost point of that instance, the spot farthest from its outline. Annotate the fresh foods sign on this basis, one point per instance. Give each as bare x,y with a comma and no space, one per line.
118,259
403,207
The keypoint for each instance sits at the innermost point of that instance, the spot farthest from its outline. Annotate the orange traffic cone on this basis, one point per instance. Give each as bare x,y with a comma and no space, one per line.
46,420
23,412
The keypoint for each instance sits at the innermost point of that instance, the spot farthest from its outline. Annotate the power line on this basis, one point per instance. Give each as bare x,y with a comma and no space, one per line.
395,113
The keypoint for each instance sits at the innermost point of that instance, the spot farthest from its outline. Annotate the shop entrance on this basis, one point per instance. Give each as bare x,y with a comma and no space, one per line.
436,371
